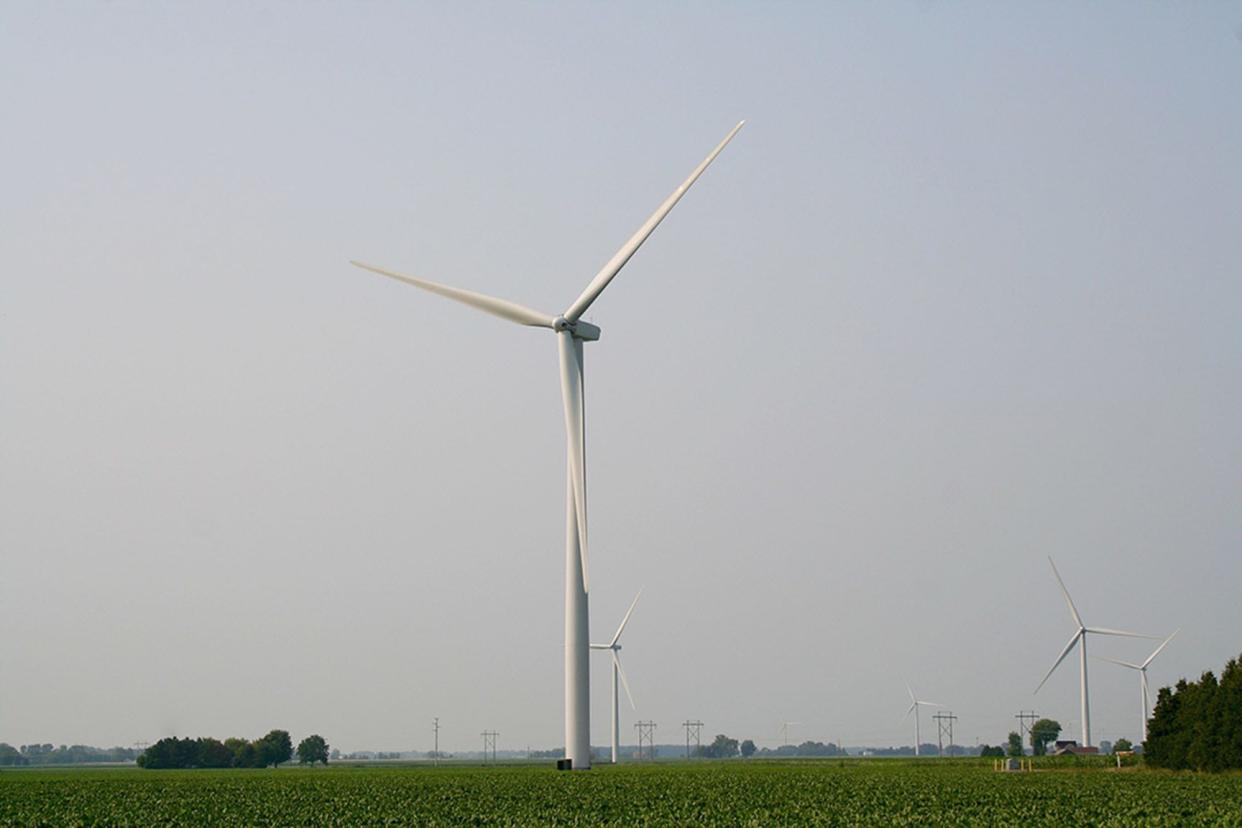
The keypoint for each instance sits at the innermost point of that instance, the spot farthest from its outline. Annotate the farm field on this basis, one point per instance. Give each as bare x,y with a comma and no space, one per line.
823,792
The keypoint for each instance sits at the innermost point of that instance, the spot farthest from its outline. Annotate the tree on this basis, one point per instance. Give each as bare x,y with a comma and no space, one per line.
186,753
10,755
1043,732
1198,724
245,755
721,748
747,748
1161,748
212,753
313,749
1229,714
988,750
1015,744
1122,745
274,748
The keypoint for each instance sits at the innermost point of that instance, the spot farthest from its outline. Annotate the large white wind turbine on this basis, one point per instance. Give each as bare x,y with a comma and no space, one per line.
614,649
571,331
1142,671
1080,638
915,704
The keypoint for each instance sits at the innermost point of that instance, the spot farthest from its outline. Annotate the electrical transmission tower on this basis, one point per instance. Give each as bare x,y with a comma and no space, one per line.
695,727
944,724
489,743
1023,727
646,732
435,754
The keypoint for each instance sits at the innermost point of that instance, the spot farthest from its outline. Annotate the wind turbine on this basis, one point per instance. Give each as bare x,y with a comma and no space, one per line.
571,331
1080,638
614,648
1142,671
785,732
915,704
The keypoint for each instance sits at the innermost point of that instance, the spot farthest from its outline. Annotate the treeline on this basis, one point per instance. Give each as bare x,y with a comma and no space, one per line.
47,754
1197,725
925,749
723,747
807,748
205,752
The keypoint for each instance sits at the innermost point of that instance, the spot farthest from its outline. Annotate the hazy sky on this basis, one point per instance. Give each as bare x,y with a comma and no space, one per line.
965,292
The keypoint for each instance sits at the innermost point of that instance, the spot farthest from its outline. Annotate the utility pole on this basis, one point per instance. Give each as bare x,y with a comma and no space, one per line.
646,731
697,728
435,754
489,741
944,724
1023,727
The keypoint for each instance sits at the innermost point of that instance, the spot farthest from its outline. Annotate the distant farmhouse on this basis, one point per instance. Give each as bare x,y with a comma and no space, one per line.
1065,747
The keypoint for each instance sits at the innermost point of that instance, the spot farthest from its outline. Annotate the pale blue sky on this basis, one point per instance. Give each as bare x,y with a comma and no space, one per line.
964,292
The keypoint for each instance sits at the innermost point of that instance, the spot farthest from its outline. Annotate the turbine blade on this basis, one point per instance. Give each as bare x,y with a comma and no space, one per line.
1073,640
571,394
911,710
623,255
1107,631
624,683
489,304
910,690
626,619
1065,592
1115,661
1161,647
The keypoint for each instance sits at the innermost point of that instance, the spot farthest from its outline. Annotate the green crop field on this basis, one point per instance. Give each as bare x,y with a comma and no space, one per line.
851,792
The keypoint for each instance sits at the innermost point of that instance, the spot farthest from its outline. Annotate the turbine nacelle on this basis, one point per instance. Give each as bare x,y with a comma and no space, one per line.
581,330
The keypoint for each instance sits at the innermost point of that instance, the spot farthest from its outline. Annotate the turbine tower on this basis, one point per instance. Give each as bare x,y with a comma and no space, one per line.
1142,671
915,704
1080,638
571,331
614,648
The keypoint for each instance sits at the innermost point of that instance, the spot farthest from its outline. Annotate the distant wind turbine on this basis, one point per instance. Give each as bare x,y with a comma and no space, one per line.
614,648
785,732
915,704
1142,671
571,331
1080,638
